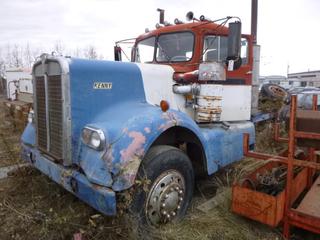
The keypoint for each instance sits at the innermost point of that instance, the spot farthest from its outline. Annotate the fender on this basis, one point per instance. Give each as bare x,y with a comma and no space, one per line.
128,141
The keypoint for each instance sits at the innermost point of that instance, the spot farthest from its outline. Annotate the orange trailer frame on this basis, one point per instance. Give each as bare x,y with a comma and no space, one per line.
307,214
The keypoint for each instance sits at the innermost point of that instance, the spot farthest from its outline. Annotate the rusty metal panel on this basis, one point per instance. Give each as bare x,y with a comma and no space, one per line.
311,202
262,207
308,121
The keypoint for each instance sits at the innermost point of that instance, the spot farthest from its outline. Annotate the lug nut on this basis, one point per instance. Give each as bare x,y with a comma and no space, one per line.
178,207
173,214
181,198
180,192
163,204
177,188
164,212
168,216
166,196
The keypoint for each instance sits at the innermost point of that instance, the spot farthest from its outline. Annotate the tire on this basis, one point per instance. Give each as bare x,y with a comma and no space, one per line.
170,190
274,91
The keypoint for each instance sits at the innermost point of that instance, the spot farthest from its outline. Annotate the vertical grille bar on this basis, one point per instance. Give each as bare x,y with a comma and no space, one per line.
41,112
55,116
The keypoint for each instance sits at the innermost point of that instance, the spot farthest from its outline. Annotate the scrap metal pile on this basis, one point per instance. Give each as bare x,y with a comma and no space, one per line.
273,181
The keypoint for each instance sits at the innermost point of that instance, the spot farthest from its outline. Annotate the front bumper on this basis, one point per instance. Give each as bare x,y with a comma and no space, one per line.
101,198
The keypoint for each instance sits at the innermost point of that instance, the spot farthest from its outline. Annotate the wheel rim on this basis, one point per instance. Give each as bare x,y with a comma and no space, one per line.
165,198
277,91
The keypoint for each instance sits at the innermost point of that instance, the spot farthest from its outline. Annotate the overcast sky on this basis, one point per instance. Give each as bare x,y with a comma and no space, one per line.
288,30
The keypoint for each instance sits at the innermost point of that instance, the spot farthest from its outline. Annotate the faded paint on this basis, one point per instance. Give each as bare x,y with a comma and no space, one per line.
108,157
171,119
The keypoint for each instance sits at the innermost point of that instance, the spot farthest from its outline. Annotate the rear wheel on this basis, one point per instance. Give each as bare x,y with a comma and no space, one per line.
169,192
274,91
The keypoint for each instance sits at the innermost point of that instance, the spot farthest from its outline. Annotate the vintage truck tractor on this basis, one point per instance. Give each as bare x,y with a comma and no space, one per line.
179,109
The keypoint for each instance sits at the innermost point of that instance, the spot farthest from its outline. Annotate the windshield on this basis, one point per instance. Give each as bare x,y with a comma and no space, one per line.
175,47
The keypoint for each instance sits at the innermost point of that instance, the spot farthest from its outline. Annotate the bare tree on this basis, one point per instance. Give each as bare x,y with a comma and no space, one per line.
90,52
59,47
77,53
2,62
16,55
8,56
28,57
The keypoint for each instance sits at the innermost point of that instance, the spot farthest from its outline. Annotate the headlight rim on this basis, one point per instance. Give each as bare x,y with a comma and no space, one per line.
88,142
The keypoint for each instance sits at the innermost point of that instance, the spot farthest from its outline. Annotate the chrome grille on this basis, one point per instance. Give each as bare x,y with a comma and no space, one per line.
41,113
49,121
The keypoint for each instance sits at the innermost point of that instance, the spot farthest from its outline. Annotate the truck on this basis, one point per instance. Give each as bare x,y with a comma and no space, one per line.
147,127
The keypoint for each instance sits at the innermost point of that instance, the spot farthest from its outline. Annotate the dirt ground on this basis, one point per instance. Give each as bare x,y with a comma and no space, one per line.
34,207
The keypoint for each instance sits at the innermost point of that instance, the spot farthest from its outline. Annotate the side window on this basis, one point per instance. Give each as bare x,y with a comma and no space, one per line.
215,48
144,50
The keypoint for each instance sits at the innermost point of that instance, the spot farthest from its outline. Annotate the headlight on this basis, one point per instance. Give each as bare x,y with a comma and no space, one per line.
94,138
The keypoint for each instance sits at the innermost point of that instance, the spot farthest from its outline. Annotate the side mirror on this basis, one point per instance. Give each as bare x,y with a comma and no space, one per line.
117,53
234,46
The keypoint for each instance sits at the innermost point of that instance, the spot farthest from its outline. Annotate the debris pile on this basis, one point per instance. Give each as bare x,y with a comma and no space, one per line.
273,182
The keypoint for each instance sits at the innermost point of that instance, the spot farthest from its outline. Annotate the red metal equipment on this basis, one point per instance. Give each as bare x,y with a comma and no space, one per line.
272,210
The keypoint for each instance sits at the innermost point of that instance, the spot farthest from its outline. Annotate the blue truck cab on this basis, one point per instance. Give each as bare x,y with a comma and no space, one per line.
104,127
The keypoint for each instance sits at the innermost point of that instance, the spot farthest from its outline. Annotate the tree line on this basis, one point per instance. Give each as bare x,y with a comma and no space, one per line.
24,55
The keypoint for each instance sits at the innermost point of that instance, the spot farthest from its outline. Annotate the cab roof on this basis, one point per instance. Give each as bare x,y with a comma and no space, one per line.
193,26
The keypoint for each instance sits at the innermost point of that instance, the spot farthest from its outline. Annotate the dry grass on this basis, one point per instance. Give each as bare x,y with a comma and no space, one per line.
9,137
34,207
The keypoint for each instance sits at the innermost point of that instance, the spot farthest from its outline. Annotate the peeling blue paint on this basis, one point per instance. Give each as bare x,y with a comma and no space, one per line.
28,135
225,145
101,198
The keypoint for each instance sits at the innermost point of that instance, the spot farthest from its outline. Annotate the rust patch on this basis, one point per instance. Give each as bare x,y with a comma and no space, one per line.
147,130
135,147
131,156
171,120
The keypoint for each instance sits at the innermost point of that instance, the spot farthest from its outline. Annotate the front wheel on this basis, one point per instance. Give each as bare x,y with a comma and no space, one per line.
169,192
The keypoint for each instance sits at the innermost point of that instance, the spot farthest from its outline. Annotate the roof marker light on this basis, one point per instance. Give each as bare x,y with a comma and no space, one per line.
177,21
158,26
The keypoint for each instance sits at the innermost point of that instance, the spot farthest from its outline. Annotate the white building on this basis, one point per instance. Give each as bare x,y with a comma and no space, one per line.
18,84
275,79
303,79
